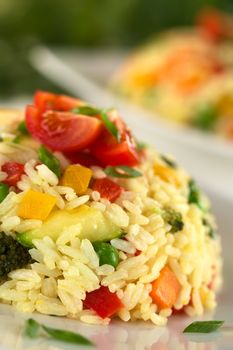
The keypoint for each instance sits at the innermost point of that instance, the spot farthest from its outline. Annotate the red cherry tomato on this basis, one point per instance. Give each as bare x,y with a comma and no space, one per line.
109,151
107,188
82,158
62,131
211,22
48,101
103,302
14,172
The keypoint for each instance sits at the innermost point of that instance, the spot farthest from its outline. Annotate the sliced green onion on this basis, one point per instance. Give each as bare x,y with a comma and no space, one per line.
17,139
205,118
174,219
4,191
122,171
22,128
32,328
110,125
50,160
203,327
66,336
86,110
169,161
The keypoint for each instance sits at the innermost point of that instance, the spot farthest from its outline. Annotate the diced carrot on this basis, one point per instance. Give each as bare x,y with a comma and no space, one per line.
36,205
77,177
165,289
167,174
107,188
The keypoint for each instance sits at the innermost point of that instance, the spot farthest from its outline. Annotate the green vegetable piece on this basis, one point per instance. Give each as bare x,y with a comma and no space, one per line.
50,160
110,125
169,161
203,327
4,191
32,328
17,139
22,128
174,219
122,171
205,118
107,253
211,231
66,336
86,110
194,195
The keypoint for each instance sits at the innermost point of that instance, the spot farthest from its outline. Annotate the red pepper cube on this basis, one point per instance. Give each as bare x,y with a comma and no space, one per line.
14,172
103,302
107,188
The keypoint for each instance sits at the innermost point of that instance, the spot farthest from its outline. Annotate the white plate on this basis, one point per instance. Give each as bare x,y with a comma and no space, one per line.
208,159
138,335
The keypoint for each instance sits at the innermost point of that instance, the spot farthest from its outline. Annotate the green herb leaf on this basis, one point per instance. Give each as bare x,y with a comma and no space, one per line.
32,328
22,128
122,171
194,195
67,336
203,327
86,110
169,161
50,160
110,125
4,191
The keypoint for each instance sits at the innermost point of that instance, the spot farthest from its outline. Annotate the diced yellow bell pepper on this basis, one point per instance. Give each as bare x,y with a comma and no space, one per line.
78,177
167,174
36,205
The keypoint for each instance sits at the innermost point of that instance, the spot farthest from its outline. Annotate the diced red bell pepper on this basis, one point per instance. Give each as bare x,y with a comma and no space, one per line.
14,172
107,188
211,22
103,302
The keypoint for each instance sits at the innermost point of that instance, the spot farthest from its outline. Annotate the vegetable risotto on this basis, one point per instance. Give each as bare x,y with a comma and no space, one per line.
95,225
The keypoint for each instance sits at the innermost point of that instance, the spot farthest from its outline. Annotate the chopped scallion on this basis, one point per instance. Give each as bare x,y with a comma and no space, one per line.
203,327
122,171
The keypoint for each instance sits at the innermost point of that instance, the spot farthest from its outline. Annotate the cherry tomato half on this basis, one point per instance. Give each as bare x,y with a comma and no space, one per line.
14,172
48,101
62,131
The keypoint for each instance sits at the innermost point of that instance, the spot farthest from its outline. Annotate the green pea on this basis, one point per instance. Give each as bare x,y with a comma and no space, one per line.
22,128
50,160
107,253
4,190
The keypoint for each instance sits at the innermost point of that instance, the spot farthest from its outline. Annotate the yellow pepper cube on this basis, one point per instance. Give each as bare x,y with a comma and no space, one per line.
36,205
78,177
167,174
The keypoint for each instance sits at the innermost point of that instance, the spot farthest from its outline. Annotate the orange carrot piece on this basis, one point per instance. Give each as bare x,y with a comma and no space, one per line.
165,289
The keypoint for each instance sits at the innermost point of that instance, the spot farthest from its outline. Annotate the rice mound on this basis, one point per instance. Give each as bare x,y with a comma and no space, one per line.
63,271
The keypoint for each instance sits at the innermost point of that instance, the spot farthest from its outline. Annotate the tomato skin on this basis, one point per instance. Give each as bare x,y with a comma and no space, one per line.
82,158
107,188
14,172
62,131
46,101
103,302
109,152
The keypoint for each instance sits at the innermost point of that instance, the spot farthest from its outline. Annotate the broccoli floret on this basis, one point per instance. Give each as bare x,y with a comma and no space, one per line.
12,255
174,219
